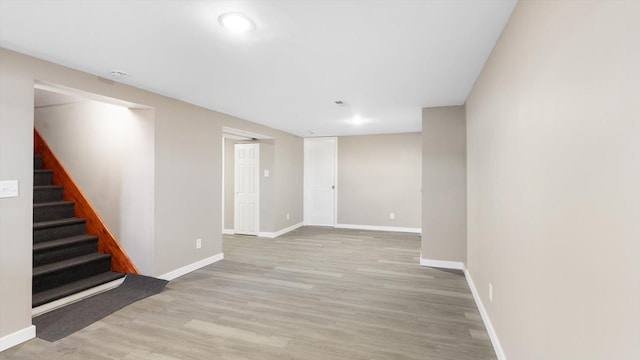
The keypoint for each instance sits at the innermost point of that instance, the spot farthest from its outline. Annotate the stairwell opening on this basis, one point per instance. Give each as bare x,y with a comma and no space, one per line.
107,147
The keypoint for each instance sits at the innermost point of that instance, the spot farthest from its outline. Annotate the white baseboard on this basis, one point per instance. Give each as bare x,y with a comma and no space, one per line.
228,231
272,235
76,297
192,267
457,265
379,228
18,337
485,318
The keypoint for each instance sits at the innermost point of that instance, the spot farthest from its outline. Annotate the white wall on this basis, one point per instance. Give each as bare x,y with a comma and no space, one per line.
553,126
108,151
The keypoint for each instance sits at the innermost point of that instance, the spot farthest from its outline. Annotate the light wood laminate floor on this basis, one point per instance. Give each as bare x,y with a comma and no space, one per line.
315,293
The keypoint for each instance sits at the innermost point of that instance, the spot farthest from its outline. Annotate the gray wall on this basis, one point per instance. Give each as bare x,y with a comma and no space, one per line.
108,151
444,196
553,126
16,214
377,175
187,179
286,174
229,170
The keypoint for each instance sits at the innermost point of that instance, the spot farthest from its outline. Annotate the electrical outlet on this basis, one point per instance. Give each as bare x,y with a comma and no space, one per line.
490,292
198,243
392,216
287,216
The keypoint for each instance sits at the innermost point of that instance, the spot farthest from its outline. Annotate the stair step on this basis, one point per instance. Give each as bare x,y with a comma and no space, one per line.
37,162
42,177
56,229
59,292
47,252
52,211
56,274
47,193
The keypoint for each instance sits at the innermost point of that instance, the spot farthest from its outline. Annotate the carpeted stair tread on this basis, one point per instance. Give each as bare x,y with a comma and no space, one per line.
55,223
61,265
57,229
37,162
47,193
53,203
45,187
42,177
55,250
54,210
65,258
59,292
64,242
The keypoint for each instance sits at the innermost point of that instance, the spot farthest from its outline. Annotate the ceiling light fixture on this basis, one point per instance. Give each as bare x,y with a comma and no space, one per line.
358,120
236,22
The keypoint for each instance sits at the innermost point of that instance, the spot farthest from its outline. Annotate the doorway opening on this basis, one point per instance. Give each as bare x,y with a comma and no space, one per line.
247,158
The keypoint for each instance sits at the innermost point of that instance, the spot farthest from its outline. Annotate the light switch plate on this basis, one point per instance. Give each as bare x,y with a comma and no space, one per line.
266,173
9,188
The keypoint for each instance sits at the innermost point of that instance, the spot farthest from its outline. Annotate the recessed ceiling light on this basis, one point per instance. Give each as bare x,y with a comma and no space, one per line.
358,120
236,22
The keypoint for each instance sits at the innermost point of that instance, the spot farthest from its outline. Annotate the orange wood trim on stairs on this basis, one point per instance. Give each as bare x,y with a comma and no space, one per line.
107,243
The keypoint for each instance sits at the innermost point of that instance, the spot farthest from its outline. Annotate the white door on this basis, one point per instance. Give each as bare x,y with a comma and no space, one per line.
320,187
247,189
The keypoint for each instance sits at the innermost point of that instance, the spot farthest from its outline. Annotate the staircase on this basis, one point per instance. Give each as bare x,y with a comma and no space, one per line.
66,260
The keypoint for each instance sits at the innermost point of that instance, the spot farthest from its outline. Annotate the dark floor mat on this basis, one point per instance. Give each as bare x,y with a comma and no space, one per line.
57,324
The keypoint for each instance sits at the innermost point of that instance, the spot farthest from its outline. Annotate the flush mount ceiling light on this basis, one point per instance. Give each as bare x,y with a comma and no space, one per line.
236,22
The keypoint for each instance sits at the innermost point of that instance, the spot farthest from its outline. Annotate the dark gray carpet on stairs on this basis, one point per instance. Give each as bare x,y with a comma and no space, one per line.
57,324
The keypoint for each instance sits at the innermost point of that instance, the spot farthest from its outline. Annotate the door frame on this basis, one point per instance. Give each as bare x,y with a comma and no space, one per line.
235,193
307,188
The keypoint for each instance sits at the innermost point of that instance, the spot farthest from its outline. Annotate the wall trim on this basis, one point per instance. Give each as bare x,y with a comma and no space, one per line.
18,337
379,228
485,317
192,267
228,231
272,235
457,265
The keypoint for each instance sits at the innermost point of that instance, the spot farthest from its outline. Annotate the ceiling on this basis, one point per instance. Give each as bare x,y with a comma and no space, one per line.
386,59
